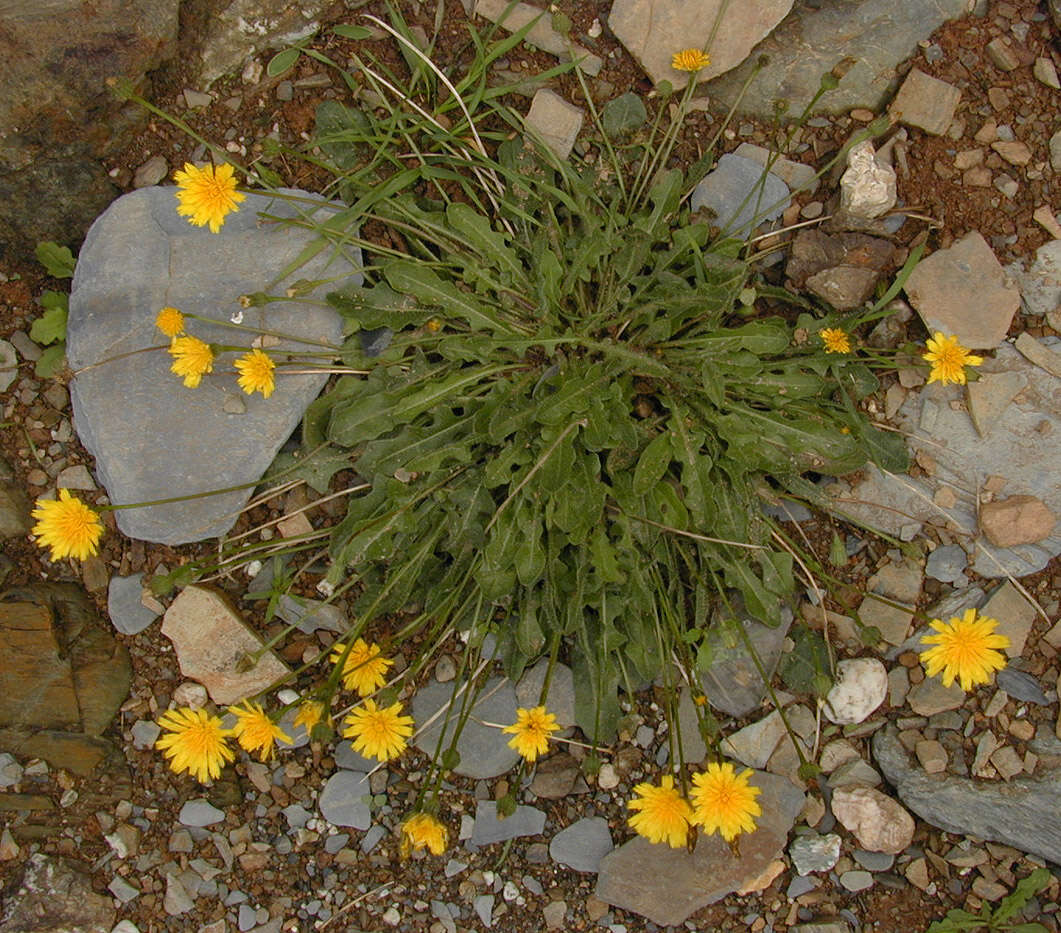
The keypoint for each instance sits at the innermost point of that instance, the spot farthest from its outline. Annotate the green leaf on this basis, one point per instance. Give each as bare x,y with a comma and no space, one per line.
352,32
51,361
597,710
652,464
51,325
760,337
530,555
485,240
57,260
416,279
316,468
624,114
1025,890
885,448
838,551
282,61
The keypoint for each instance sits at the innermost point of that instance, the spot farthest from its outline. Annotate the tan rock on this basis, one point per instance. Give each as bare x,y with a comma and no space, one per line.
1015,616
880,823
1002,55
763,881
967,158
917,874
925,102
932,755
1016,520
1013,151
212,642
990,395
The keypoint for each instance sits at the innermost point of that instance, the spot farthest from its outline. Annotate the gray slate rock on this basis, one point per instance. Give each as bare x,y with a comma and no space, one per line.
350,760
733,684
630,877
128,614
152,437
343,800
583,844
740,195
877,34
200,813
1021,812
1025,435
560,700
484,751
812,852
946,563
525,821
311,614
1021,686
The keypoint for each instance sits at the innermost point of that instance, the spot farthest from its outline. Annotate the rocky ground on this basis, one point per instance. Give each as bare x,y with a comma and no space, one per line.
308,842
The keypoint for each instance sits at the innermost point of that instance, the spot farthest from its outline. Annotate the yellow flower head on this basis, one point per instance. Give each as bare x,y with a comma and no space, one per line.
531,729
67,526
255,730
256,373
206,195
835,340
724,801
948,358
966,648
378,733
310,713
664,814
364,670
192,358
170,321
423,831
195,742
690,60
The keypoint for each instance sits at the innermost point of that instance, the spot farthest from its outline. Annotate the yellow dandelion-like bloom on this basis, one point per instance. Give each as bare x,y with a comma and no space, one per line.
948,358
256,373
378,733
364,670
192,359
207,195
195,743
531,729
310,713
170,321
663,813
690,60
423,831
966,648
724,801
67,526
835,340
255,730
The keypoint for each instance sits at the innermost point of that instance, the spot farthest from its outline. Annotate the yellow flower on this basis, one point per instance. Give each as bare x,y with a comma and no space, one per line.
948,358
966,648
724,801
170,321
664,814
423,831
195,743
835,340
192,358
310,713
67,526
378,733
255,730
364,670
531,729
206,195
690,60
256,373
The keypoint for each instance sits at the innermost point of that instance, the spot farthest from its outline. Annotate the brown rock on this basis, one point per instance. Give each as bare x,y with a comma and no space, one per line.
212,642
1013,151
555,776
55,895
1016,520
977,177
879,823
1002,55
925,102
1015,616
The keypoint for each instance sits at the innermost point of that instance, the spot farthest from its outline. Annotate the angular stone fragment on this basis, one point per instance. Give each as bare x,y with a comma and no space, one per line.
879,823
925,102
963,292
212,641
861,686
653,30
990,396
1014,615
513,17
556,121
1016,520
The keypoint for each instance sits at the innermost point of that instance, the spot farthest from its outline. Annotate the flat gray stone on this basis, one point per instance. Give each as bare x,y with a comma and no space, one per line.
560,700
200,813
812,852
483,750
653,30
1021,686
145,733
733,684
311,614
632,876
963,291
877,35
525,821
350,760
938,426
946,563
740,195
555,120
1040,286
930,696
583,844
344,800
122,890
152,437
755,743
856,880
127,613
1021,812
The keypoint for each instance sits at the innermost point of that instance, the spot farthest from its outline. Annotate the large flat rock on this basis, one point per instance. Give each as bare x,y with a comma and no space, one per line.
152,437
